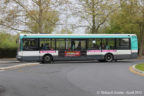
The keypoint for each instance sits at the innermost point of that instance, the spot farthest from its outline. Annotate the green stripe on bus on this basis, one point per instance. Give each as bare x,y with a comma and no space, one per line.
74,37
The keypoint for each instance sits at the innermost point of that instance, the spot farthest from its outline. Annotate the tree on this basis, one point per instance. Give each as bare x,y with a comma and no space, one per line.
34,16
129,19
140,22
95,12
45,25
65,31
7,40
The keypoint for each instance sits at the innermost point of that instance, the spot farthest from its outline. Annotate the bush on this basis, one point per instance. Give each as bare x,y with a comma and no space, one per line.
8,53
8,46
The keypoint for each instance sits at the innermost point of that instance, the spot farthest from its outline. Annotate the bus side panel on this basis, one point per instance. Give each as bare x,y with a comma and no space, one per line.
95,54
123,54
19,55
30,55
54,53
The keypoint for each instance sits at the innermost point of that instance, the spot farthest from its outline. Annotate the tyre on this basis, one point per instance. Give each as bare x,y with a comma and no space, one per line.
109,58
47,59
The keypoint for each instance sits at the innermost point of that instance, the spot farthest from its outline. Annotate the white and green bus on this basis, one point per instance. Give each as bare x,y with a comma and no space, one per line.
102,47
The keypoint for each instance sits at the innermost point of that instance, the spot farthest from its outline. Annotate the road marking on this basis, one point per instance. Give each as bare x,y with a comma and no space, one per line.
132,70
9,62
18,66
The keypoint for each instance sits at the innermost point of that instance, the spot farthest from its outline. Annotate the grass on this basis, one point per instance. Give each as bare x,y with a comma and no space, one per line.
140,66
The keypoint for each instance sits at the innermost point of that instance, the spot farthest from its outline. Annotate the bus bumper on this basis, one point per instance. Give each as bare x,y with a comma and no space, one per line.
19,58
134,55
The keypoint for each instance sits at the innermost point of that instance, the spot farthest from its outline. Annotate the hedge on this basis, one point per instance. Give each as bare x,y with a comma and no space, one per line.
8,52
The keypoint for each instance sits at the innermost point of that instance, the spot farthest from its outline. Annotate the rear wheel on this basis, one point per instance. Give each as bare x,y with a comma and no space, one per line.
47,59
109,58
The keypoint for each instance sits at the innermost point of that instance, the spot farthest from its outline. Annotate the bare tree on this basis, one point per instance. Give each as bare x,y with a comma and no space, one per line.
35,16
95,13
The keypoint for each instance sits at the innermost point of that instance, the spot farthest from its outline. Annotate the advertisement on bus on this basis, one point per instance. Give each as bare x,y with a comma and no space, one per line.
72,53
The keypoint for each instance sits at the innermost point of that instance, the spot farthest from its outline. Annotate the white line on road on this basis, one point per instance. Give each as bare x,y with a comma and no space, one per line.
18,66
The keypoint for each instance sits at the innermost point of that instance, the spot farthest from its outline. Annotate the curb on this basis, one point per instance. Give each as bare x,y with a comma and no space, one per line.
18,66
136,71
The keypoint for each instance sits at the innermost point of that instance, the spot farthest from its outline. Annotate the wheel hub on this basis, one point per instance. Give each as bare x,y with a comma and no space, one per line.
47,58
109,57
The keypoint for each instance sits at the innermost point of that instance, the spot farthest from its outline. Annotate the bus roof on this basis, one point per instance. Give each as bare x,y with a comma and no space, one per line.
76,35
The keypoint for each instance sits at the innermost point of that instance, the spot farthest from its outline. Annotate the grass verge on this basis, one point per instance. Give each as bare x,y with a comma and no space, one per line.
140,66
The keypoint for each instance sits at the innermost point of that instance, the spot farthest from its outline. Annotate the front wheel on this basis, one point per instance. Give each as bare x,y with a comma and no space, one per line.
109,58
47,59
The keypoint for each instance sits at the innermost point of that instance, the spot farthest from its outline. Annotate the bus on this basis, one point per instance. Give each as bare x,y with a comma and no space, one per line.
102,47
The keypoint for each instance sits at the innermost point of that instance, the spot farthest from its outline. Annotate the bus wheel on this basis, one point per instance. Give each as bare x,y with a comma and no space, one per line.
47,59
109,58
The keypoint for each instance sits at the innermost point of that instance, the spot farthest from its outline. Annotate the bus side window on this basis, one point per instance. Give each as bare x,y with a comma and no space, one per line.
72,45
47,44
60,44
43,44
26,45
30,44
94,44
123,43
110,43
83,44
68,44
79,45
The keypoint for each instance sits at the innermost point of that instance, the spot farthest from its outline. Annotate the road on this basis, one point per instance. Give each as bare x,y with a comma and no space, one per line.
72,78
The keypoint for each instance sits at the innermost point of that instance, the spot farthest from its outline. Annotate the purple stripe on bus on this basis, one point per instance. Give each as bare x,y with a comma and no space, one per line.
101,51
47,51
94,50
108,50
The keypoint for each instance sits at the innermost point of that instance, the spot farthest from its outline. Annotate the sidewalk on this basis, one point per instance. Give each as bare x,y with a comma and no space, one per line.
5,62
8,59
12,62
